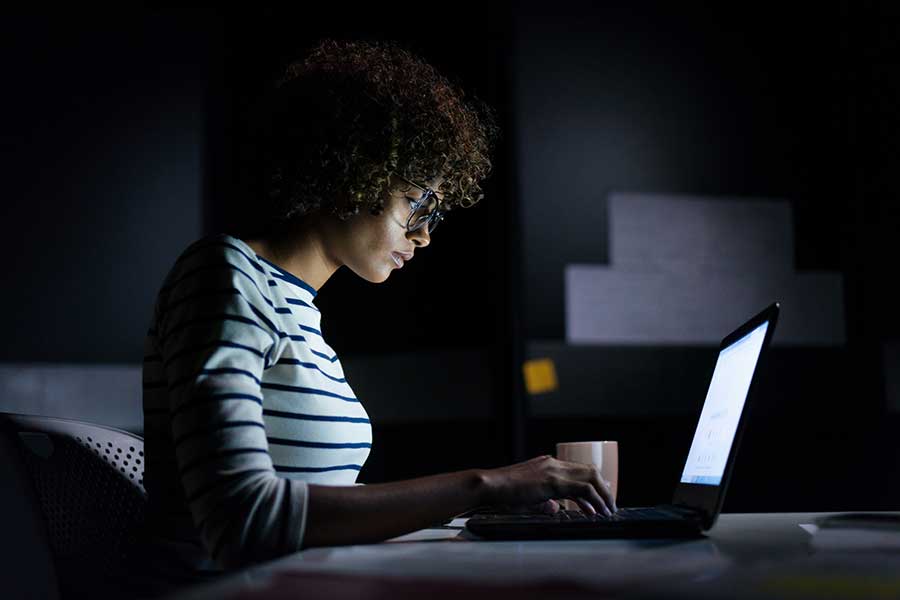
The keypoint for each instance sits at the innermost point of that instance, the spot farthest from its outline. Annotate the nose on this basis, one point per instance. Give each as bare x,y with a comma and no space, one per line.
420,237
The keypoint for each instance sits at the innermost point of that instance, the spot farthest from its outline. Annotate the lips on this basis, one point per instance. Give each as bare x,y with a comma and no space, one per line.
400,258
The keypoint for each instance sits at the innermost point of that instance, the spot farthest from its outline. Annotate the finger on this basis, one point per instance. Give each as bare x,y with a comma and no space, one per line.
603,487
550,507
588,476
587,491
540,507
586,507
530,508
612,496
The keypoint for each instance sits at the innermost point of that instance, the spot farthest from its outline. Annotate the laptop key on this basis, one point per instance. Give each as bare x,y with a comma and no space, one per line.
624,514
577,515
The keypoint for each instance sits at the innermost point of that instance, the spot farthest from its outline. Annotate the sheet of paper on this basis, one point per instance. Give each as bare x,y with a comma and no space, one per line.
425,535
855,540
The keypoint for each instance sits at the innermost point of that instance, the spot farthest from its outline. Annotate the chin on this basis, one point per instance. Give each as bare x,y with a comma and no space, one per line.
374,276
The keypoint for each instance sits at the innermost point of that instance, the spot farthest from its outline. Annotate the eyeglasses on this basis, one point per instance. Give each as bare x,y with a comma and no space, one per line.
424,210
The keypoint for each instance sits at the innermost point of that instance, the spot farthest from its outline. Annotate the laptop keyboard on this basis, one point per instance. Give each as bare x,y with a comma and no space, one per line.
623,514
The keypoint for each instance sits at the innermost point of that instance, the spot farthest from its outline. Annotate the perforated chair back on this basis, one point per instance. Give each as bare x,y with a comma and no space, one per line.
89,482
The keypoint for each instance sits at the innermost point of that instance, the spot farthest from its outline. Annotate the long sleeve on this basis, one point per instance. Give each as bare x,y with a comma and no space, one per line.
215,342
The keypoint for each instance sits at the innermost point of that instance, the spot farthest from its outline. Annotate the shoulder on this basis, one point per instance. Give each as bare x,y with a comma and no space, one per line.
219,247
216,259
221,250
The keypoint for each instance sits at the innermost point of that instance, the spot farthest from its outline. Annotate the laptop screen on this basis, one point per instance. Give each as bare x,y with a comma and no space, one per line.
722,409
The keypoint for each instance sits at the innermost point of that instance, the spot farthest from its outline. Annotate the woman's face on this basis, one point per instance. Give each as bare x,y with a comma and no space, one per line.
368,244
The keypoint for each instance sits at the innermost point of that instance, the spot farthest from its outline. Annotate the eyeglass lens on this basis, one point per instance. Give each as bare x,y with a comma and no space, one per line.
424,214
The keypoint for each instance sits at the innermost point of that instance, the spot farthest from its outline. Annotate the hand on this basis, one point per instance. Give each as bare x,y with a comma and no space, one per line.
547,507
536,483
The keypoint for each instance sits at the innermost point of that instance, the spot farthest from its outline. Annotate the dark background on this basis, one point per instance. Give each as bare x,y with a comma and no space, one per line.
120,130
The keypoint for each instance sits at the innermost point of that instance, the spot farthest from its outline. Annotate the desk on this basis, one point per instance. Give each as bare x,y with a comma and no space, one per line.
764,555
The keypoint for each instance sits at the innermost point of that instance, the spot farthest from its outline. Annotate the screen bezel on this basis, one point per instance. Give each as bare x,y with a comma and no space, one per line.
708,499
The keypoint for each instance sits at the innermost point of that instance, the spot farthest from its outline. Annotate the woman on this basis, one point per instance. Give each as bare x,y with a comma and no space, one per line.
253,436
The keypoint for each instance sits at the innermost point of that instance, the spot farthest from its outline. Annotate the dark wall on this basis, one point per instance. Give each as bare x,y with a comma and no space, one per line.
103,150
760,100
680,99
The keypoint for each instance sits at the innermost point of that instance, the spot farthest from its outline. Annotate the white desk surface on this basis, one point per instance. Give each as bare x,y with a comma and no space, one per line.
750,555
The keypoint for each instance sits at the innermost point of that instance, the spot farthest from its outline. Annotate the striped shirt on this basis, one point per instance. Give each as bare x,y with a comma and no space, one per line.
244,405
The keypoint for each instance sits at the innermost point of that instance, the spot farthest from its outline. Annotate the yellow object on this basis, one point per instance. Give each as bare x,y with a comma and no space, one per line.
540,375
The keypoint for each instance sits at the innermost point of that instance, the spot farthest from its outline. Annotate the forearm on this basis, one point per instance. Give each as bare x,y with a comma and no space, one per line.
376,512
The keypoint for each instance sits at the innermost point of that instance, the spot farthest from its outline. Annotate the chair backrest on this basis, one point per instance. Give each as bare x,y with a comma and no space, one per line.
28,570
89,482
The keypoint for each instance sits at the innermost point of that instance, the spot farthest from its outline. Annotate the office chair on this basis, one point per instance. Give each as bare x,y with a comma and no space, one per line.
87,481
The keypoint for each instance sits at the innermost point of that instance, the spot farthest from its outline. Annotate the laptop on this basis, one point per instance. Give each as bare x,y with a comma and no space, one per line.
700,491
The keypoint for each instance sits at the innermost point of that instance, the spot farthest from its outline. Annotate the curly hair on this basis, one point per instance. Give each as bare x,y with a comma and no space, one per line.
341,122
